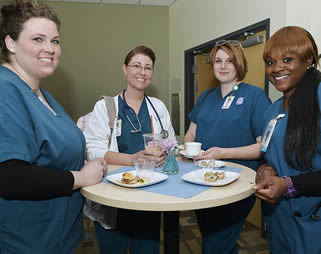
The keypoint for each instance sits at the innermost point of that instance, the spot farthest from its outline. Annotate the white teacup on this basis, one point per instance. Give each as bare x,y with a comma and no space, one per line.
193,148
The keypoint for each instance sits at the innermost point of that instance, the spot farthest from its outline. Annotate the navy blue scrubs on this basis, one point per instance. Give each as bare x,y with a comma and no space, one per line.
290,227
237,126
139,229
29,131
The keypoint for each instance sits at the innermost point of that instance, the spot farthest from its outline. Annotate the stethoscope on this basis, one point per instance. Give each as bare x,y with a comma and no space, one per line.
163,132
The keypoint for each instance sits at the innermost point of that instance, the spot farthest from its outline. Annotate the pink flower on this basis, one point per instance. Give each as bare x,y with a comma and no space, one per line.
168,144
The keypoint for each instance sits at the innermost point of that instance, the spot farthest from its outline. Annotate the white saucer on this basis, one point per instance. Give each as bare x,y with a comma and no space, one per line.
183,152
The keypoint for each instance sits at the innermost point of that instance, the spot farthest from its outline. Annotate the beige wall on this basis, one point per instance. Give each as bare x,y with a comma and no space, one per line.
95,39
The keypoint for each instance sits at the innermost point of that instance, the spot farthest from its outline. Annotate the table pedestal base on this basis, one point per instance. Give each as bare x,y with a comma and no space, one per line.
171,232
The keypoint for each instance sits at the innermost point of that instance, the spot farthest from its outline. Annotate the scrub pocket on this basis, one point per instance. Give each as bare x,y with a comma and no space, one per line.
308,234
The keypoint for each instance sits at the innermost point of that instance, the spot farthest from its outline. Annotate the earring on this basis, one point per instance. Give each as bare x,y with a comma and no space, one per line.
12,51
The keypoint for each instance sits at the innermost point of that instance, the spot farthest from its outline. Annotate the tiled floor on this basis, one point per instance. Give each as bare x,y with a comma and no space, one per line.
250,242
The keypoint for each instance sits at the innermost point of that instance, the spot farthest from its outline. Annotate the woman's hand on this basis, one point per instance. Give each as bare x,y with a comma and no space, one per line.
91,173
160,159
270,189
263,172
212,153
146,154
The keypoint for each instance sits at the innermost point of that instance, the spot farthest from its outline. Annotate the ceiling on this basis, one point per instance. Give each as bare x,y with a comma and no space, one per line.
135,2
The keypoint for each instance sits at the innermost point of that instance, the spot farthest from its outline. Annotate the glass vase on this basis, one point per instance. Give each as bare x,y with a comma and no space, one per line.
170,166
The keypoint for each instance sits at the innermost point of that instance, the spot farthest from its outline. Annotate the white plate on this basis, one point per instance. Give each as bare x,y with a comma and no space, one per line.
182,152
197,177
116,179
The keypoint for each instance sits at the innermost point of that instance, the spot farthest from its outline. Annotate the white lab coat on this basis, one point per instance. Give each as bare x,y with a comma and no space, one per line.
97,132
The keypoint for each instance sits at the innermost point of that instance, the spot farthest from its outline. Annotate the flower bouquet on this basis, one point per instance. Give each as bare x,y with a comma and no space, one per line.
170,166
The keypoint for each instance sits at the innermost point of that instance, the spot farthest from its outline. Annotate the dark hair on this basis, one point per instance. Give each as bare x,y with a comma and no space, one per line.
140,50
16,14
303,131
238,58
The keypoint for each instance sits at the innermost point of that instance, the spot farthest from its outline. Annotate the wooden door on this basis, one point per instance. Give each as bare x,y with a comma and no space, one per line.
255,75
256,69
204,75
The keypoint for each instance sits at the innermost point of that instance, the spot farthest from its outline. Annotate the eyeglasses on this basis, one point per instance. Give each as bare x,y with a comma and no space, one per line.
223,42
138,68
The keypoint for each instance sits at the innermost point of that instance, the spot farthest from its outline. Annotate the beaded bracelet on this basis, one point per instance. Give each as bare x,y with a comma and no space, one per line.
291,192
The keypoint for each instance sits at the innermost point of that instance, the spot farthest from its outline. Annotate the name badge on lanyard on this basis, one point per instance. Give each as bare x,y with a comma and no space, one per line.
228,102
118,128
269,132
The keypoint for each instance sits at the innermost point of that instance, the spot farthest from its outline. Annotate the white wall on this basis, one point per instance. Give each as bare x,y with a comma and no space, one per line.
307,15
192,23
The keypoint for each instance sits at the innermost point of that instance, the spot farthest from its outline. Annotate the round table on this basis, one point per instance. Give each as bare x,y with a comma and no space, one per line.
136,199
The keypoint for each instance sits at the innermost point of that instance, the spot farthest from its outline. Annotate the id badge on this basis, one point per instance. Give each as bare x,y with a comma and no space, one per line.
228,102
117,130
269,132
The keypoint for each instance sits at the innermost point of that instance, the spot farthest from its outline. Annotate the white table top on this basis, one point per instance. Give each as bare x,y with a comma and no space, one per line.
138,199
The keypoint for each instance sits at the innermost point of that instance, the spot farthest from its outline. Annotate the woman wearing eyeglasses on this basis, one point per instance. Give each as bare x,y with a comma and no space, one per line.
136,114
228,122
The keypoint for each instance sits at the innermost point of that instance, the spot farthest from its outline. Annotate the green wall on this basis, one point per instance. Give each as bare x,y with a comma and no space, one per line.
95,39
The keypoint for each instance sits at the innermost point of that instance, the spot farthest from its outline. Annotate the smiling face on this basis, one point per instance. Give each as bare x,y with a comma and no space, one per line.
223,67
285,71
36,52
287,54
137,77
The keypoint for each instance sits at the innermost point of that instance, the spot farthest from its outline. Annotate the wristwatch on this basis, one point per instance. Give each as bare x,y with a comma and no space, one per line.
291,192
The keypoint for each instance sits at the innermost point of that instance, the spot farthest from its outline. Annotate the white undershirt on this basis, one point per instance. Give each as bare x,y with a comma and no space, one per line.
47,105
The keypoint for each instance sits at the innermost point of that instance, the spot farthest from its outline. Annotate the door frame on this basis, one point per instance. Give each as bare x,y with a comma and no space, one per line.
189,60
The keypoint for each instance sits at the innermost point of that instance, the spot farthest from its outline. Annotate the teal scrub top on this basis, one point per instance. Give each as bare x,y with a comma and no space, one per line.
29,131
132,142
290,228
237,126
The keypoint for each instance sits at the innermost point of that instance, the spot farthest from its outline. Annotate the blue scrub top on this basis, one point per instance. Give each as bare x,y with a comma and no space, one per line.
132,142
288,233
237,126
29,131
